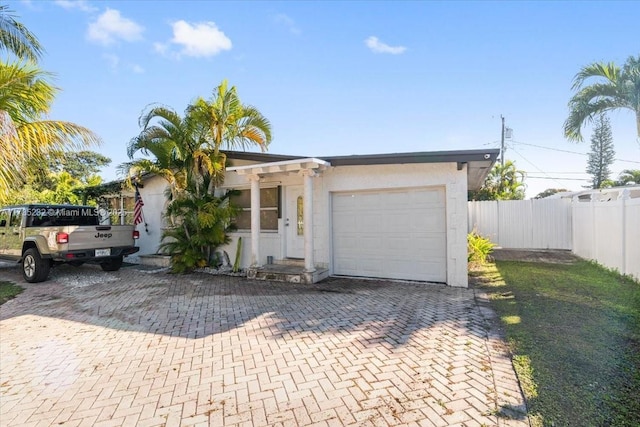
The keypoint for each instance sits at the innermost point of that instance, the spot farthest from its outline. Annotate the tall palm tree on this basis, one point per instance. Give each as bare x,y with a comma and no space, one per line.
613,88
229,124
16,38
25,132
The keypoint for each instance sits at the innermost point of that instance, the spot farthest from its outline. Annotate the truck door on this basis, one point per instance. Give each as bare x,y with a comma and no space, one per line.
4,227
15,233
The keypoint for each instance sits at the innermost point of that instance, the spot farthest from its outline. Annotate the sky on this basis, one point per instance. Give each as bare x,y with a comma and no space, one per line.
341,78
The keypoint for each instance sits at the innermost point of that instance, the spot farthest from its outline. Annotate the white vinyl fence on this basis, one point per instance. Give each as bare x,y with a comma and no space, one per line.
523,224
599,225
608,231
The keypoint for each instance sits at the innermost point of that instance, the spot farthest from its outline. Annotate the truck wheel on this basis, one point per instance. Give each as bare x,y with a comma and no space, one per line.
112,264
34,268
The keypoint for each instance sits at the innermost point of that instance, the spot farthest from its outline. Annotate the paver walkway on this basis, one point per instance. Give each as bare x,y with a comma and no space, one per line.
144,348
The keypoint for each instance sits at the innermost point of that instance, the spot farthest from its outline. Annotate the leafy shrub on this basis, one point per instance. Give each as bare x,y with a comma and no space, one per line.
201,225
478,248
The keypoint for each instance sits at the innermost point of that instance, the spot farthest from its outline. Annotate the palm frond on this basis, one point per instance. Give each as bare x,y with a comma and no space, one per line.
610,72
16,38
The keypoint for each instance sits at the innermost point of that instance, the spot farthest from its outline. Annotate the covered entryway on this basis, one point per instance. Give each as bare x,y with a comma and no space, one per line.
398,234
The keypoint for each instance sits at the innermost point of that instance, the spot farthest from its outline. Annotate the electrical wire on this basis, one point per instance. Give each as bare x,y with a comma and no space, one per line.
565,151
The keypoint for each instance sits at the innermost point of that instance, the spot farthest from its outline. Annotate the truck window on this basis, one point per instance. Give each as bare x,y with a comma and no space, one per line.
4,215
16,218
56,216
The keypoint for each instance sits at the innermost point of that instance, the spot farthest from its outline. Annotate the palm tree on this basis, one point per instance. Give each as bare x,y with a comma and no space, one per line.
25,100
614,88
230,125
16,38
177,146
502,183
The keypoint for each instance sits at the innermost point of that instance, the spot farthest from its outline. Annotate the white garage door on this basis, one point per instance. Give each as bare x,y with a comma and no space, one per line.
399,234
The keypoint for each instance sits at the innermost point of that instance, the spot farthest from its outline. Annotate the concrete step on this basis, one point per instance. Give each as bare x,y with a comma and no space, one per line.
298,262
155,260
287,273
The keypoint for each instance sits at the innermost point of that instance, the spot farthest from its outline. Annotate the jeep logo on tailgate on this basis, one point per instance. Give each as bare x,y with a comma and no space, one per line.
103,235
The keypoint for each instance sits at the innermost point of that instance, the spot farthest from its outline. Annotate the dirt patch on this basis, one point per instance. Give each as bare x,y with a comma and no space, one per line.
528,255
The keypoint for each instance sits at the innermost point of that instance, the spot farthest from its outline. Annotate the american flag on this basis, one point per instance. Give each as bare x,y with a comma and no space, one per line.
137,210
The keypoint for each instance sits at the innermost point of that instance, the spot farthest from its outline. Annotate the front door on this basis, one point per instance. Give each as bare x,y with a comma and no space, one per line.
294,223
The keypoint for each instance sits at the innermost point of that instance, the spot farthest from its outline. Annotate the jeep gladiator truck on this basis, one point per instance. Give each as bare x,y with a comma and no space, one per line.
40,236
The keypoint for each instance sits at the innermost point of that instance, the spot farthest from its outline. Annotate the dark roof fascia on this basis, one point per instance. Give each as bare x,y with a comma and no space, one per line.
459,156
260,157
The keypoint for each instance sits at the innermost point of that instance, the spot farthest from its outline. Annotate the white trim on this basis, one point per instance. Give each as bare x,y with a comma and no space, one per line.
283,166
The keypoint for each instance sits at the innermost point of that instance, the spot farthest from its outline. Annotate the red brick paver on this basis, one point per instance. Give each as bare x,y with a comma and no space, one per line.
144,348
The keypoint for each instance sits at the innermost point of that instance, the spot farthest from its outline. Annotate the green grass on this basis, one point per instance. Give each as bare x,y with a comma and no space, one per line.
8,290
574,331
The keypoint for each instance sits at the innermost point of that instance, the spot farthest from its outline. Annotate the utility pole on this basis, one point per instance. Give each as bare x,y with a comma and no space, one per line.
502,149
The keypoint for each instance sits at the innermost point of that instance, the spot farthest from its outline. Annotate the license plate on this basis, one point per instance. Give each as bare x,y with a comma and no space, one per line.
103,252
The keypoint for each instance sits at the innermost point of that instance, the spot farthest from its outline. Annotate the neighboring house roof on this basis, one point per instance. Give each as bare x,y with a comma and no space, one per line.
631,191
479,162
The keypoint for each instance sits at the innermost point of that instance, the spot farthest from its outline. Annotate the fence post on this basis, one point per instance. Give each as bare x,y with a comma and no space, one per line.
623,196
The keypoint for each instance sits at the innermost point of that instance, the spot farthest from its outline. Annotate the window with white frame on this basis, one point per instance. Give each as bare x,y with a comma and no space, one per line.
269,208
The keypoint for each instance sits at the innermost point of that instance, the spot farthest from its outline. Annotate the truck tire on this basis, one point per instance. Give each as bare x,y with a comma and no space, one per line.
34,268
112,264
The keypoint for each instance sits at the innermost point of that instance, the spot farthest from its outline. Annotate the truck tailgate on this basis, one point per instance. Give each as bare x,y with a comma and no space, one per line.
99,237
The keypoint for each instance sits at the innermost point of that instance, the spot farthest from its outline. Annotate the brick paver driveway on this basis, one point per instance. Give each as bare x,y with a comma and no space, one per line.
148,348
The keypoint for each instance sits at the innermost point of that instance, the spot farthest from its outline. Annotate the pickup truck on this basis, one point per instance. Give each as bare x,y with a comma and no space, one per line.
40,236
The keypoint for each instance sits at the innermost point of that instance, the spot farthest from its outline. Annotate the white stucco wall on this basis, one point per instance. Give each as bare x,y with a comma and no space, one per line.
154,204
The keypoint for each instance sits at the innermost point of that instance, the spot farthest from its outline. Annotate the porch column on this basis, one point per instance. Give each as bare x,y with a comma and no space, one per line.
307,213
255,220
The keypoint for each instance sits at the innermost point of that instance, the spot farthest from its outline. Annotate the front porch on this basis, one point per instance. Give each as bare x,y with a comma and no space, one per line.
295,227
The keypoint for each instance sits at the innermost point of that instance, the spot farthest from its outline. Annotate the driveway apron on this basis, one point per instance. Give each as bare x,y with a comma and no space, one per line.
142,347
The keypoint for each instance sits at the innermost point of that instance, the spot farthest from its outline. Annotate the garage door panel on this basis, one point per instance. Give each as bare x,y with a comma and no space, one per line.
395,234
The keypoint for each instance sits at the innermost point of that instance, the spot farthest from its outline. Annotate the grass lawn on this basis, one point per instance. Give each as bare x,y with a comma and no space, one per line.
8,290
574,330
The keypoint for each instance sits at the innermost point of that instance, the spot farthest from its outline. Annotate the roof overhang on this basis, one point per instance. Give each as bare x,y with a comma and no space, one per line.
283,166
477,162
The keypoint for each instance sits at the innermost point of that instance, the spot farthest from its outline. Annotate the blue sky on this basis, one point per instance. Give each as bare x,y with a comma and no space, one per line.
338,78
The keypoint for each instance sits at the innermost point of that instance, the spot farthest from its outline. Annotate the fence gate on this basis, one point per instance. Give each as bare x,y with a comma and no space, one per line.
523,224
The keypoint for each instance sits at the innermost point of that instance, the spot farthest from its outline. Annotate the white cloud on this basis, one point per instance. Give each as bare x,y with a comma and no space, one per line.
197,40
111,26
377,46
137,69
287,22
82,5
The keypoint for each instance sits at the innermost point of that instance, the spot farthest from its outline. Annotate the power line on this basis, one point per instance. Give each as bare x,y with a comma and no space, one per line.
567,151
555,178
540,170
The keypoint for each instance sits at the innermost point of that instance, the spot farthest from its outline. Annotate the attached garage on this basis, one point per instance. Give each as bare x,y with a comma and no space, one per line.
399,234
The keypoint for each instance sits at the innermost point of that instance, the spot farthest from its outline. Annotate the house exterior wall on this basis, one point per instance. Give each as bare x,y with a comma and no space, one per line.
154,205
362,178
335,179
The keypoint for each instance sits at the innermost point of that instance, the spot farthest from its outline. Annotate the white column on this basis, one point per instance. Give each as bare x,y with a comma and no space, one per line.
309,263
255,220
